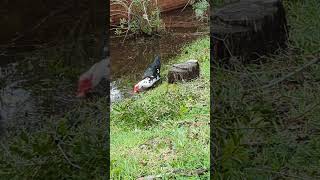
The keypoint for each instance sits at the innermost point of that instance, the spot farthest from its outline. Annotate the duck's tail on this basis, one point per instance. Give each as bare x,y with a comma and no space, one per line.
157,60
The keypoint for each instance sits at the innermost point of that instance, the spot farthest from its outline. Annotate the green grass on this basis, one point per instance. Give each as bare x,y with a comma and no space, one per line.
71,147
272,133
165,131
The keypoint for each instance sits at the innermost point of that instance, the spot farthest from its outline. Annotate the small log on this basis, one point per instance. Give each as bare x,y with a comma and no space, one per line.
248,29
184,71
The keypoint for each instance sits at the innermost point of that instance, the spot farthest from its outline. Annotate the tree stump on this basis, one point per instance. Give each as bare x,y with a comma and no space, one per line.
248,29
184,71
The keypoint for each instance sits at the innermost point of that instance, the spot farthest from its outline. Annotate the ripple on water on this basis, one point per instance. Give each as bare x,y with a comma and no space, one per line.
115,93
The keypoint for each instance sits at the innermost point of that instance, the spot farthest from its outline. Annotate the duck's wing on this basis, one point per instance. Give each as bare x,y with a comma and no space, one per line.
148,72
153,69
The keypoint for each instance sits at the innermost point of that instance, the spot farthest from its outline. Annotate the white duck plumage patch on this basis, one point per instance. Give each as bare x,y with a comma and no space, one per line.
147,82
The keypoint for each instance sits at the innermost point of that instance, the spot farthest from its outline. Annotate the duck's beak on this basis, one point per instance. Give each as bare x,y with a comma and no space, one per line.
84,86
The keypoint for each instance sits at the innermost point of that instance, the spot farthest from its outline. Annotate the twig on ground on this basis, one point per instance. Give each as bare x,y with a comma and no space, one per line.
274,82
249,128
150,177
278,173
196,172
66,157
306,111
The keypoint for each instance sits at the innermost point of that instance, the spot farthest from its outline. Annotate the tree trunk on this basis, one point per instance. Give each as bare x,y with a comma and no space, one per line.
184,71
247,30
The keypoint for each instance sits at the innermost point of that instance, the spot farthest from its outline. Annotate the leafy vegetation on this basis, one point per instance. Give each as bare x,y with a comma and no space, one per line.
143,17
273,132
165,131
201,9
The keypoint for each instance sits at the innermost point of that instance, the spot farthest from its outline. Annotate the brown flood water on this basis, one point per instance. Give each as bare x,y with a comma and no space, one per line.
129,59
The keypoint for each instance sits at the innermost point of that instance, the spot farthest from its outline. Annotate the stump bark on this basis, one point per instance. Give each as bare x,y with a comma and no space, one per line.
248,29
184,71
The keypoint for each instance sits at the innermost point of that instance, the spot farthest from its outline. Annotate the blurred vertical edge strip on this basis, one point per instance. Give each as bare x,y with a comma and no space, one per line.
106,54
213,149
211,97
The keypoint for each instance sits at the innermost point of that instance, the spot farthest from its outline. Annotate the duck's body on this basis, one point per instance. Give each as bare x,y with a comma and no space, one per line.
150,77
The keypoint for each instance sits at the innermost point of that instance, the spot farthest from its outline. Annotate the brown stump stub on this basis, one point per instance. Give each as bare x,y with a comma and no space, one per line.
248,29
184,71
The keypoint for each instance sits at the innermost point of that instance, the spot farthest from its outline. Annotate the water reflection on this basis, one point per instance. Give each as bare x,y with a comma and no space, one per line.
38,85
17,103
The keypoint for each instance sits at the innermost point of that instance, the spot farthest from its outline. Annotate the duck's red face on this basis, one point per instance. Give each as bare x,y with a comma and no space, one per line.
144,84
84,86
136,88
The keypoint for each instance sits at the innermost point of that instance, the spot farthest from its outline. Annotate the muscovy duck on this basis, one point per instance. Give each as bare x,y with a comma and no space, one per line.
150,77
90,79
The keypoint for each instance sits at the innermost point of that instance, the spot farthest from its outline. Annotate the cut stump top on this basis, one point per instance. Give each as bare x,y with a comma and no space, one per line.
184,71
248,29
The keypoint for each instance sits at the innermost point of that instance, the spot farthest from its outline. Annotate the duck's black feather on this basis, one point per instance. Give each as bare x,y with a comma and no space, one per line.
153,69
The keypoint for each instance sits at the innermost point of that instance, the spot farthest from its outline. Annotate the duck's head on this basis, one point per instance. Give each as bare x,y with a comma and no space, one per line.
84,86
139,86
145,84
142,85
